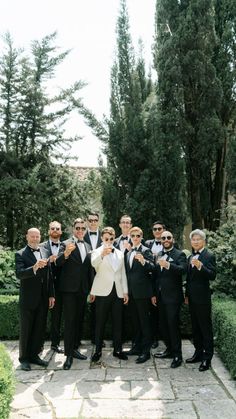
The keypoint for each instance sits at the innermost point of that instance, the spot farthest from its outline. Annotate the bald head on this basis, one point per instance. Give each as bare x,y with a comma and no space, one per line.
33,237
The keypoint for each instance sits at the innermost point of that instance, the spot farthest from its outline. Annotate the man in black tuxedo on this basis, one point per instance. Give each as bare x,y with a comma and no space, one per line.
171,264
123,242
75,282
156,246
93,238
52,245
36,296
139,264
201,270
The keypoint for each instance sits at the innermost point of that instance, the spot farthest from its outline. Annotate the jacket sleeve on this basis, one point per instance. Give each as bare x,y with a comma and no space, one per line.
96,259
180,264
23,272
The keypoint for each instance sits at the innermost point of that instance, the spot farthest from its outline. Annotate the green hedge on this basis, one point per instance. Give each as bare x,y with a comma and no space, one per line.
7,381
224,322
9,325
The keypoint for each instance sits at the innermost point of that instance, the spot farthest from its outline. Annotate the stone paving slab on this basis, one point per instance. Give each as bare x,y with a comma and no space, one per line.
121,389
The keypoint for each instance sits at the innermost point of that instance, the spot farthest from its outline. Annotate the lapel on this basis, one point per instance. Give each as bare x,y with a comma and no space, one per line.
30,255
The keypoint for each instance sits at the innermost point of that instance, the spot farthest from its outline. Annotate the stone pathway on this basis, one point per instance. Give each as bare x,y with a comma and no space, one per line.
122,389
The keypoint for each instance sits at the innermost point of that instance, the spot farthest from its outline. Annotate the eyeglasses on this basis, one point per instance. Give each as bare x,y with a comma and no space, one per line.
55,228
92,220
163,238
135,235
109,239
157,228
80,228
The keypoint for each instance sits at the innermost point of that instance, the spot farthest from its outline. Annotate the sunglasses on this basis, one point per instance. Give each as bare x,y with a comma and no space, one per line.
55,228
91,220
80,228
163,238
135,235
157,228
109,239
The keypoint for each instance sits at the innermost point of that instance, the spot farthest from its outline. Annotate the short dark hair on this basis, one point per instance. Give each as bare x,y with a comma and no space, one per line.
109,230
78,220
159,222
92,213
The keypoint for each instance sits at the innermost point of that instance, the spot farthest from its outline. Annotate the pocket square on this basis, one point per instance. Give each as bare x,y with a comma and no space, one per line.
171,260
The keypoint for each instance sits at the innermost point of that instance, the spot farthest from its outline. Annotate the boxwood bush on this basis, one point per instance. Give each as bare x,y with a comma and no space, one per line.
224,323
7,381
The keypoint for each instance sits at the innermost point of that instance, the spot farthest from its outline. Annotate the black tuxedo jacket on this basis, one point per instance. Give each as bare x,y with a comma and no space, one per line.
198,282
76,276
33,286
140,276
169,282
87,239
56,270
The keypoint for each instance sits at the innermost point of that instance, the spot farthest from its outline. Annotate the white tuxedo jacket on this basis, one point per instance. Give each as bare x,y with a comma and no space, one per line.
109,270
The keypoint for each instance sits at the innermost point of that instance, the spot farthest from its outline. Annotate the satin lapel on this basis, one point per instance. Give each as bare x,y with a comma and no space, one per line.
30,255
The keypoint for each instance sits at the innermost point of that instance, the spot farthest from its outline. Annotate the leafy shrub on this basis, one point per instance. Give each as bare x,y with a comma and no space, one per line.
224,323
8,279
6,383
9,315
223,245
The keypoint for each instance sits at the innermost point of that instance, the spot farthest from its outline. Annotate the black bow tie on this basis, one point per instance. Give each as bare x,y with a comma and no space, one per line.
157,242
35,250
124,238
55,244
197,253
80,241
135,249
92,232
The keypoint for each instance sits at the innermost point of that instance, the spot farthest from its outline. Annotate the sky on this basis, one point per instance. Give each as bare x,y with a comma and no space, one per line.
87,28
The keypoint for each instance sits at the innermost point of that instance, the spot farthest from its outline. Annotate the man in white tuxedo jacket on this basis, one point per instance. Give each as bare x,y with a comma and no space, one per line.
110,290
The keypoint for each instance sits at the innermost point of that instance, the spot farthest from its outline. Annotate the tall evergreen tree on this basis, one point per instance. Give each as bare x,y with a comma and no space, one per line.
31,133
190,91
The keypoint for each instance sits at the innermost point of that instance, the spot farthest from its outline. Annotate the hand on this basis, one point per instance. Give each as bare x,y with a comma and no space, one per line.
154,301
196,263
106,251
41,263
52,258
69,249
140,258
92,298
126,298
51,302
127,245
163,263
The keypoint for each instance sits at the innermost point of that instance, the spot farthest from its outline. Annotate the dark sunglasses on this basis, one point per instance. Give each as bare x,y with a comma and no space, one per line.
135,235
163,238
109,239
91,220
157,228
55,228
80,228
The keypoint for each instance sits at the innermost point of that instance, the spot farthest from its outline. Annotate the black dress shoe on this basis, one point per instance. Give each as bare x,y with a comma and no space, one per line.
68,362
39,361
164,354
57,348
120,355
155,344
25,366
205,365
96,356
176,362
142,358
133,351
195,358
78,355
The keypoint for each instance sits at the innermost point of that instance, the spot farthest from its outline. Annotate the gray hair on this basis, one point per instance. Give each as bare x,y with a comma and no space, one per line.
197,232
